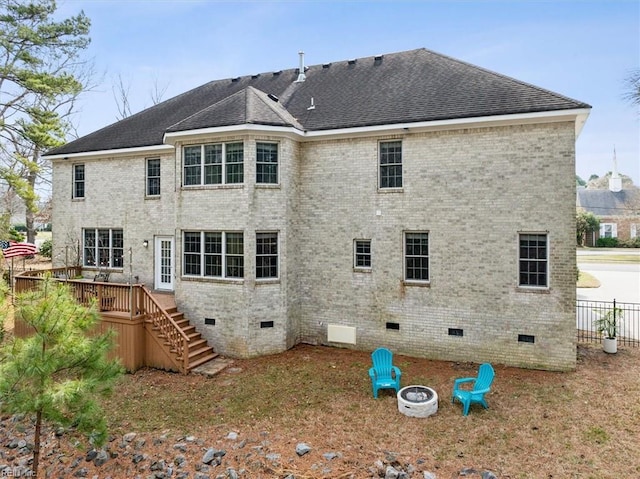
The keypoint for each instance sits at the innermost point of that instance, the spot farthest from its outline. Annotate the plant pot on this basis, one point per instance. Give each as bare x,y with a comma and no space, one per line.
610,345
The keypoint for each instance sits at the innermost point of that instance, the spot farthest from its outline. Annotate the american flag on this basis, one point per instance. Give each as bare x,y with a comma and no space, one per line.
11,249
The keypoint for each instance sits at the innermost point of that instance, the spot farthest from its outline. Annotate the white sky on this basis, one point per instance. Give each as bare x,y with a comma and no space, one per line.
583,49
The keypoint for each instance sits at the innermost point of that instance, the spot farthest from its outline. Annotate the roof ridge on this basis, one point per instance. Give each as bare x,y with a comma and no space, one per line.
226,99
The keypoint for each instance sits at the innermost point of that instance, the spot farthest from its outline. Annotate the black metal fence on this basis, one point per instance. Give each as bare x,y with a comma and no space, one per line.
627,316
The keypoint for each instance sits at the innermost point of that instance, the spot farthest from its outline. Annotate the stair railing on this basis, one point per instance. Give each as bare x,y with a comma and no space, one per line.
164,323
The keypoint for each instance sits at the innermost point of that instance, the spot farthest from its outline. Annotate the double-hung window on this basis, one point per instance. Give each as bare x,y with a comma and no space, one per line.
153,177
213,164
213,254
416,256
390,162
78,181
533,260
267,163
362,254
266,255
103,248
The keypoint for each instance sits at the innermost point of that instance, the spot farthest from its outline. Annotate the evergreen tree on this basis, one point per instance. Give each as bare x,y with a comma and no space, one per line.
58,373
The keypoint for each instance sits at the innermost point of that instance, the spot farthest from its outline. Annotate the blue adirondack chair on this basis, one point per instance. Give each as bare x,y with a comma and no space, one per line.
475,395
383,374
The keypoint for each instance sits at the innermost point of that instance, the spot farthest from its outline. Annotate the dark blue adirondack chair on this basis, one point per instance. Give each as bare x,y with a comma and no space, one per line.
475,395
383,374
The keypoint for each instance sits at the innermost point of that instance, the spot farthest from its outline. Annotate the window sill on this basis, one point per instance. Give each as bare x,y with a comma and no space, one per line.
533,289
391,190
203,279
234,186
78,199
266,281
152,197
419,284
362,270
267,186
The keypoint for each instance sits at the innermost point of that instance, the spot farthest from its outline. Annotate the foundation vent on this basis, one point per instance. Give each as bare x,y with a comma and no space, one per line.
341,334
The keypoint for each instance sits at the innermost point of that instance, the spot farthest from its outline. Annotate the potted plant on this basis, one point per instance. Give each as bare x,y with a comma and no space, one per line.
607,324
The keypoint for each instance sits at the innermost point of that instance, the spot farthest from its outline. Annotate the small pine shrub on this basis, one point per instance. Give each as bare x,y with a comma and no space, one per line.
46,249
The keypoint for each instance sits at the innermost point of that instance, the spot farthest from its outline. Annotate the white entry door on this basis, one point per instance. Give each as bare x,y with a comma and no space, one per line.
164,262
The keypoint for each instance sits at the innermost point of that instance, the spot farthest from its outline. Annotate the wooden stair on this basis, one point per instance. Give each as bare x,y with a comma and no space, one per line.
199,350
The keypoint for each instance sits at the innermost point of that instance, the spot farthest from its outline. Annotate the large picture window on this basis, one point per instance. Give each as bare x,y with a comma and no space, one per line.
214,164
390,157
533,260
267,163
416,256
213,254
78,181
103,248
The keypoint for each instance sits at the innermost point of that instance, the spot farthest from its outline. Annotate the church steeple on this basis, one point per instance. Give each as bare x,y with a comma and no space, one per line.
615,182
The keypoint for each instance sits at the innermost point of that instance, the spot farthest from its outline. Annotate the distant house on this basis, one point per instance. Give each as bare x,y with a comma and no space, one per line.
617,207
407,200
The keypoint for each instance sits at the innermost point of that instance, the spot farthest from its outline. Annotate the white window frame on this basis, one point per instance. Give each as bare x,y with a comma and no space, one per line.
275,163
149,177
384,166
533,260
224,163
225,256
406,256
359,254
77,181
613,227
268,255
112,249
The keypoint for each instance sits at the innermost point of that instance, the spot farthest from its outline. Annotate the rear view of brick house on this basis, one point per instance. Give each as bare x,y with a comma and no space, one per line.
407,200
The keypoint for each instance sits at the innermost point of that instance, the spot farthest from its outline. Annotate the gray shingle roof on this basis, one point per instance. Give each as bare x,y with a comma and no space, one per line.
412,86
625,202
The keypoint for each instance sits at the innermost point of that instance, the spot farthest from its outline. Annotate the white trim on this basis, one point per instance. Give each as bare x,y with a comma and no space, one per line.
579,115
117,152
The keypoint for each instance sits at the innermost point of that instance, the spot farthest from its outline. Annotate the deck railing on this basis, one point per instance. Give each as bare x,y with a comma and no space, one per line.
134,299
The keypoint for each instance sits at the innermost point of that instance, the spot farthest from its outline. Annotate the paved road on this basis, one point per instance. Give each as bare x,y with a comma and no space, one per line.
619,281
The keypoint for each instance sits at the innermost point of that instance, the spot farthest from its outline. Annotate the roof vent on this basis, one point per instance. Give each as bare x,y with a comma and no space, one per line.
256,75
351,62
271,96
326,65
312,106
235,79
301,76
275,74
377,60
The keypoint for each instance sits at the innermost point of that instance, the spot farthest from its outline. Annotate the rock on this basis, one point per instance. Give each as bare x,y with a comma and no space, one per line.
130,436
302,449
137,458
232,474
181,446
158,465
330,455
488,475
429,475
232,436
209,456
140,443
179,460
82,472
273,457
101,458
91,455
391,473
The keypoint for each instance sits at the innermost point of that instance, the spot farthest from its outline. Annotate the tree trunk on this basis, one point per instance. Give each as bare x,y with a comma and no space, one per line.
36,443
30,215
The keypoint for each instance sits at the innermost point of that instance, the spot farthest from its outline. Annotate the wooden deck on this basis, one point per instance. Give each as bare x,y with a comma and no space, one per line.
150,331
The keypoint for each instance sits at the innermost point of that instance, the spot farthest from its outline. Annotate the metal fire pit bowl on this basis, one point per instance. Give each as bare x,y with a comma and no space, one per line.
417,401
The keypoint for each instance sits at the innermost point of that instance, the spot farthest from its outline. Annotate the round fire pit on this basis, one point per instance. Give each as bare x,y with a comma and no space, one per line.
417,401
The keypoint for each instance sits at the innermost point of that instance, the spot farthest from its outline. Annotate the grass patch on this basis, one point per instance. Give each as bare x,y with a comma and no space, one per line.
606,258
587,280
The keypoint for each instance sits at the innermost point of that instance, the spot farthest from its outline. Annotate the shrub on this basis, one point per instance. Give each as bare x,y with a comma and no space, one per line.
607,242
45,249
630,243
